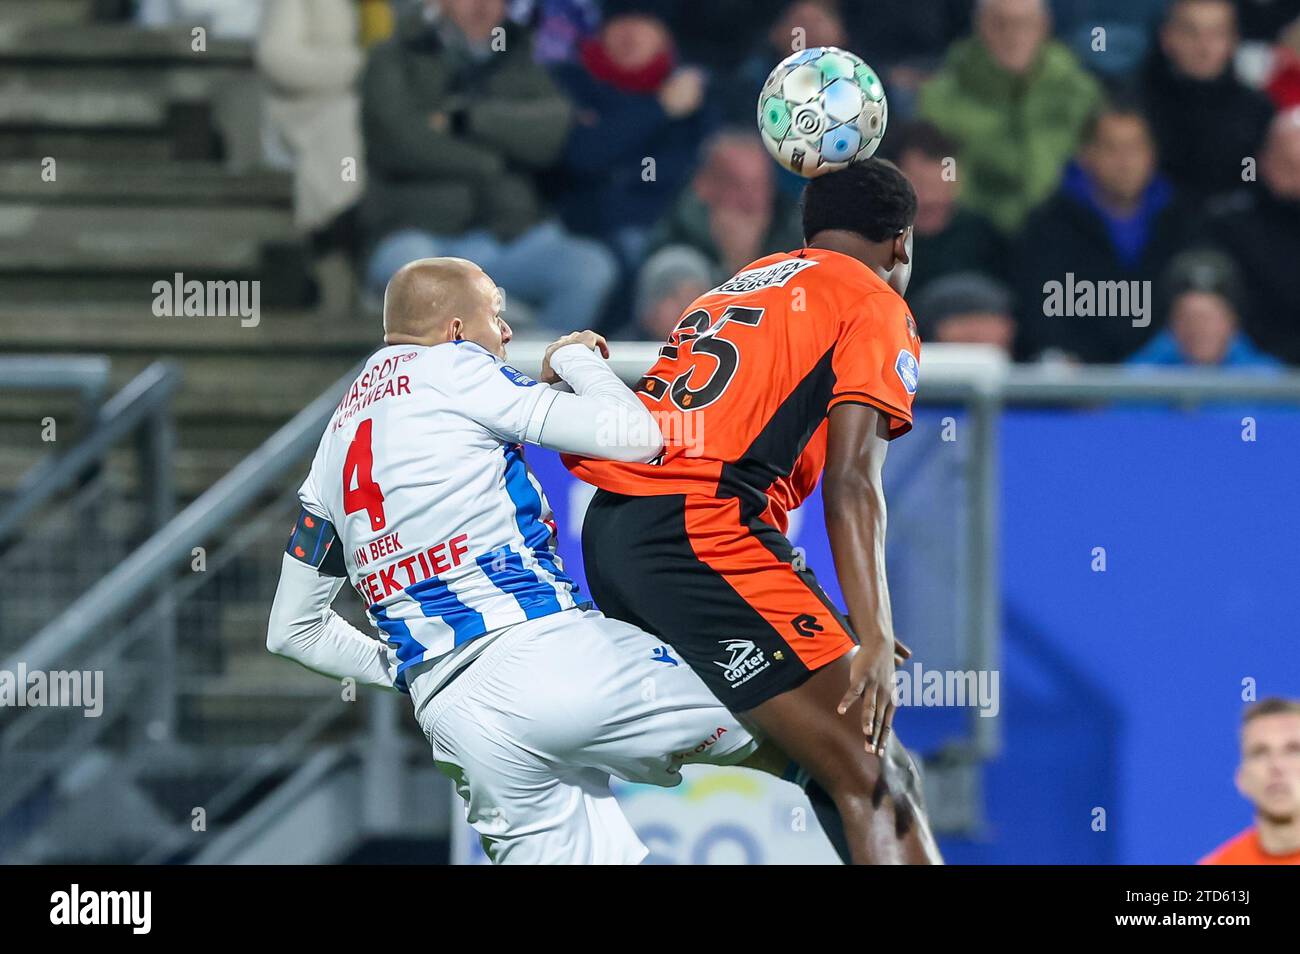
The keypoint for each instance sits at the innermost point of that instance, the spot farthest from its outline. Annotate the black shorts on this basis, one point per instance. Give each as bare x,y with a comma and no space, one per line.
723,592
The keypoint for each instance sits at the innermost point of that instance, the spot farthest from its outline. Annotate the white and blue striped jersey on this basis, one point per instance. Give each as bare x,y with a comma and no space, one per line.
444,531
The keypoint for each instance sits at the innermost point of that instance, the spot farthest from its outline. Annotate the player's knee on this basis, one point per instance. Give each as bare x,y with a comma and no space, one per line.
847,772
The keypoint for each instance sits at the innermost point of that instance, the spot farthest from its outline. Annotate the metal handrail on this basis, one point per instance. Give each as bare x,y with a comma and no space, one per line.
171,546
144,398
87,375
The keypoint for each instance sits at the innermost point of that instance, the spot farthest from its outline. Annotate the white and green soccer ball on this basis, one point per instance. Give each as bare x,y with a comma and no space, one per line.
820,110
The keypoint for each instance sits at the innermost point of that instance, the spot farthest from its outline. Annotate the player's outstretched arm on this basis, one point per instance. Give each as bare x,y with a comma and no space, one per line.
854,499
602,418
304,628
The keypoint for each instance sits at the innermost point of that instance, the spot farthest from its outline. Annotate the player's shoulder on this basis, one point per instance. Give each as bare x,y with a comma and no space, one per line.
452,363
1239,849
838,269
829,276
460,368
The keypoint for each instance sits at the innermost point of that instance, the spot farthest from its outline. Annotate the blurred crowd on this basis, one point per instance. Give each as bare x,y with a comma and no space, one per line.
600,158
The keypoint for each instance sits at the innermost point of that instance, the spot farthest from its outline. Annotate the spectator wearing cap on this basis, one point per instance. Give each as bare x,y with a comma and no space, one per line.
1203,326
458,121
1260,230
669,281
640,118
732,213
966,308
1113,219
1015,102
1206,121
947,236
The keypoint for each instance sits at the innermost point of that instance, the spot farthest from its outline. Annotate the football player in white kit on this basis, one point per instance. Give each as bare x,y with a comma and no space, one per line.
419,495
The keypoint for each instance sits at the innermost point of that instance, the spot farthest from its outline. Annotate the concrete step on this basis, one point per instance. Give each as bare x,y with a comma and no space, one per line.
28,99
98,43
28,14
130,92
147,112
146,183
96,238
113,327
145,144
271,387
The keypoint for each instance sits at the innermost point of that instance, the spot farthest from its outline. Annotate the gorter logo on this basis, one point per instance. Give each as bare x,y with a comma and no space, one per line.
744,661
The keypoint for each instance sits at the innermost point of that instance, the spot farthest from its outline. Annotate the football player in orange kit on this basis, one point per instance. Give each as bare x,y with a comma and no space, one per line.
1269,777
801,364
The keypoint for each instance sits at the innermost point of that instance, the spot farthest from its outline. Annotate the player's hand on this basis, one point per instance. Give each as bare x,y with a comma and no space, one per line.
871,678
588,338
683,92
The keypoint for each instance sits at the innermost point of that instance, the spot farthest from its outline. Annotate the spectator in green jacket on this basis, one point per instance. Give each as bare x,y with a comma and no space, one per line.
1015,101
458,120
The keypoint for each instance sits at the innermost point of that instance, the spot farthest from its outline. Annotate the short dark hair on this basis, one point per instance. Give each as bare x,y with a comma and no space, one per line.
871,198
1117,104
1274,705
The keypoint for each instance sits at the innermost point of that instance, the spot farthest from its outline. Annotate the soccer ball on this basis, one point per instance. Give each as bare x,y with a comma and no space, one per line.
820,110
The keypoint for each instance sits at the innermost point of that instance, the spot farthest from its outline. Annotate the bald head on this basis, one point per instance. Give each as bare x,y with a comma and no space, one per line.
432,300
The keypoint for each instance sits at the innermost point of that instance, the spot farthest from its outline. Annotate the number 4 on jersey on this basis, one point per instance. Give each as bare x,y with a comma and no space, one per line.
365,494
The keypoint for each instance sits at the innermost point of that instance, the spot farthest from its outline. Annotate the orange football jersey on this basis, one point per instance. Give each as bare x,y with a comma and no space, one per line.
742,388
1245,849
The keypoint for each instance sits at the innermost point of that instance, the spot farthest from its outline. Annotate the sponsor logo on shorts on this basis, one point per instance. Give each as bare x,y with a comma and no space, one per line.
661,654
806,624
708,743
744,661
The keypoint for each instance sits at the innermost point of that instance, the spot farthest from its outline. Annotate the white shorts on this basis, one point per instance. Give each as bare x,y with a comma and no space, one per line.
535,726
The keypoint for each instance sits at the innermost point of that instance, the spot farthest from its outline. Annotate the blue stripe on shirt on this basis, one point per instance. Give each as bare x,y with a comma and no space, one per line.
505,568
528,514
436,599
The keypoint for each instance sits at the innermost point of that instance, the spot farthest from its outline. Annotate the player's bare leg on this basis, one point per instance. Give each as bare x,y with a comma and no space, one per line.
903,781
879,802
